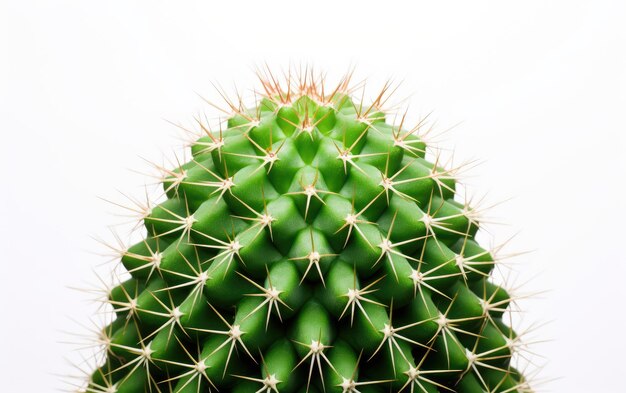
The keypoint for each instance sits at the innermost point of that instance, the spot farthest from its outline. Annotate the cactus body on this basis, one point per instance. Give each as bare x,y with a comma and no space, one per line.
308,246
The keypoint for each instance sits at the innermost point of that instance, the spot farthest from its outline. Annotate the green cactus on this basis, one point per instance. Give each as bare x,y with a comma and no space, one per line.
308,246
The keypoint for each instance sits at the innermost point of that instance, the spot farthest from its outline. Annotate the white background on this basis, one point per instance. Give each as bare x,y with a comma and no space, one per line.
538,86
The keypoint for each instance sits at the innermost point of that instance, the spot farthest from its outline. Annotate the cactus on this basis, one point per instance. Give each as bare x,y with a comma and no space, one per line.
308,245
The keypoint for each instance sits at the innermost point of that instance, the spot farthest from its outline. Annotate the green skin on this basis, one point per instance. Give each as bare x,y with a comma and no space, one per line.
378,284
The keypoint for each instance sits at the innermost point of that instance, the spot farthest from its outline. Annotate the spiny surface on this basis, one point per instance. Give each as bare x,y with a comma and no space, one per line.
308,246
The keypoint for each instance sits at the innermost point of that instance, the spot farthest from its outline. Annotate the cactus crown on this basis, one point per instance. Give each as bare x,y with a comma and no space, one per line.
308,246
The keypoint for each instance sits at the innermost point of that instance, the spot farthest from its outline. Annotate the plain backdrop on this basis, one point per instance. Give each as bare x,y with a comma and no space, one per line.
535,90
